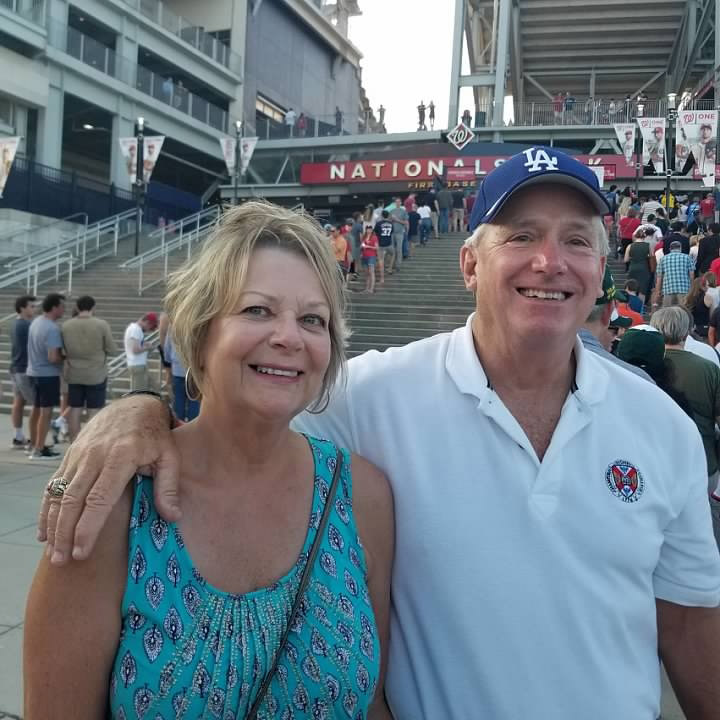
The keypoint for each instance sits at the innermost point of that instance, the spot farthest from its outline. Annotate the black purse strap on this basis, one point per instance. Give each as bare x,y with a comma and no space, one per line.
301,588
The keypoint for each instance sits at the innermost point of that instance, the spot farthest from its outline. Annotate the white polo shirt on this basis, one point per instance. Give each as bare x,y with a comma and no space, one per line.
524,589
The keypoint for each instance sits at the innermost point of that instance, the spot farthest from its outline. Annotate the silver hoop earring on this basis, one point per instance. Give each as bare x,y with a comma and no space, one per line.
188,381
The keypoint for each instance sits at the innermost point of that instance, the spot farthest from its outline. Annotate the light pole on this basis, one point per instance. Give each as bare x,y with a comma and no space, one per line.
671,117
238,138
139,182
638,151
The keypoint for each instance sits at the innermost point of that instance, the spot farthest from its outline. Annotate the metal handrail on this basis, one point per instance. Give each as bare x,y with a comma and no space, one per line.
193,222
185,233
30,275
78,244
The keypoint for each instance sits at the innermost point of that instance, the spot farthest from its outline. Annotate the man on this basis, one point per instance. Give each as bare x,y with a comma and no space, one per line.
384,231
633,301
400,224
88,342
45,361
136,353
595,332
444,202
699,381
707,209
458,212
421,116
693,211
290,117
674,276
23,392
708,248
678,233
537,542
649,207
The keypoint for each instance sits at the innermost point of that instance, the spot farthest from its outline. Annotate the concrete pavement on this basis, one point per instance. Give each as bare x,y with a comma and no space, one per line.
22,482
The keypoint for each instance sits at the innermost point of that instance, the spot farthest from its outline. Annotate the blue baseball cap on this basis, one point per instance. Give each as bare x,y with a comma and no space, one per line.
531,167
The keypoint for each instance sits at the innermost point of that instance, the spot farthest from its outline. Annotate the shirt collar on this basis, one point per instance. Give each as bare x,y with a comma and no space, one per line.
463,366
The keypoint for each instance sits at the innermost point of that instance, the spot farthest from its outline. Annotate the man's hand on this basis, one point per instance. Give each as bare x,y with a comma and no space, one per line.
130,435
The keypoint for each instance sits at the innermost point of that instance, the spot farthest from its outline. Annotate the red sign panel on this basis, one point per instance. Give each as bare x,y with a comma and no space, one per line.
465,169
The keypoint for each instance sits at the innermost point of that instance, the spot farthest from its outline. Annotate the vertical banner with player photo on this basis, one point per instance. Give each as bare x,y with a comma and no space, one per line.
227,146
652,131
152,145
247,148
128,148
625,133
695,136
151,152
8,148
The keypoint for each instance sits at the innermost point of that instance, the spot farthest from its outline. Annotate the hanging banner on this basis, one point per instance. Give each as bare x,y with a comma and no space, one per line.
695,135
625,134
151,152
227,145
8,148
653,135
152,144
247,148
128,148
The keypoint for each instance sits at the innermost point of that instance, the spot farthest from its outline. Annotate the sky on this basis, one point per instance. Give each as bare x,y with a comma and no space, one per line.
407,57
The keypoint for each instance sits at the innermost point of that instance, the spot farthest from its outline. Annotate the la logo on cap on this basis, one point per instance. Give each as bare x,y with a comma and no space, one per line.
537,158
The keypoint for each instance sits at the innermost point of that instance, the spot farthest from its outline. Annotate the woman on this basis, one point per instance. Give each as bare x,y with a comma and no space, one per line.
712,292
186,620
369,245
640,260
695,303
626,227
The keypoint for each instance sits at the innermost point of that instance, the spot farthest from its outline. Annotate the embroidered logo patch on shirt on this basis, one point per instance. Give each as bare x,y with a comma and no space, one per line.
625,481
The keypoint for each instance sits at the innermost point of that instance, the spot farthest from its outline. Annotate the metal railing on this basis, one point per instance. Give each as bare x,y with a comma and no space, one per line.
581,111
161,87
159,13
33,10
29,275
171,238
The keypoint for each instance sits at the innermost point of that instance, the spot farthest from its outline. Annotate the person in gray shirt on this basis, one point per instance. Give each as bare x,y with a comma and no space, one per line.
45,359
400,223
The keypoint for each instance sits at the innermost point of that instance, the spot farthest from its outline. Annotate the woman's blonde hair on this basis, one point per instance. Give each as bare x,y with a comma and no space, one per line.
210,283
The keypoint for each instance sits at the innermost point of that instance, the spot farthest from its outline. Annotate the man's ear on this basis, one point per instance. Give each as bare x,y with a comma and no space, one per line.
468,266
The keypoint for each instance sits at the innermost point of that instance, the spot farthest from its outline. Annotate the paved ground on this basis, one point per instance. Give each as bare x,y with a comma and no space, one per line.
21,484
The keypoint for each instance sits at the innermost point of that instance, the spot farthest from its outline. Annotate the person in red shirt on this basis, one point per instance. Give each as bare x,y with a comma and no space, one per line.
707,208
626,227
368,255
715,267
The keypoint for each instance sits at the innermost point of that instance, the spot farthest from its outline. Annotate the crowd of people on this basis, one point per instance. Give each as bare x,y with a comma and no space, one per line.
64,367
375,243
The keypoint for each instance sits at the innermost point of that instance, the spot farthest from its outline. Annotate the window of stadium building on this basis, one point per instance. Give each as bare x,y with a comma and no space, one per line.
269,109
6,111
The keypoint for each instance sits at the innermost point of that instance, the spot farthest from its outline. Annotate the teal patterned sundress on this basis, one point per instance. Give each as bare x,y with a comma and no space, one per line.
189,650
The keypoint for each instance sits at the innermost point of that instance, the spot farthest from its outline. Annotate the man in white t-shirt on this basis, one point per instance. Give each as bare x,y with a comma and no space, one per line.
136,353
544,554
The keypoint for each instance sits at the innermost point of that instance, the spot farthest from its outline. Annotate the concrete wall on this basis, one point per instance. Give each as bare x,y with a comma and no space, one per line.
293,67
